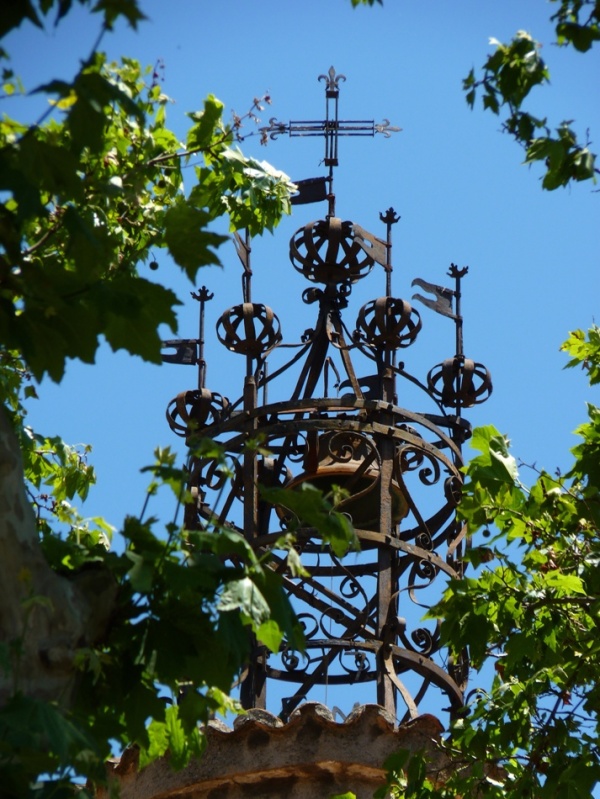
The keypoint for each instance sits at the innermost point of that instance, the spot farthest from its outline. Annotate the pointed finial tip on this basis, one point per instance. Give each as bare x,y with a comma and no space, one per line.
202,295
390,217
454,271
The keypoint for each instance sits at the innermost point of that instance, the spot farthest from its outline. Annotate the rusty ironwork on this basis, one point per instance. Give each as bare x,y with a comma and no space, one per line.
458,382
336,423
330,129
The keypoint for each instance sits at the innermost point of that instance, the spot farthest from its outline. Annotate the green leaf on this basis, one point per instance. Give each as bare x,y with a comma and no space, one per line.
270,634
51,167
141,704
158,743
189,242
201,134
491,101
582,37
226,544
96,92
567,583
502,461
14,13
141,574
585,352
113,9
42,724
495,463
193,709
312,510
175,736
88,243
243,595
132,309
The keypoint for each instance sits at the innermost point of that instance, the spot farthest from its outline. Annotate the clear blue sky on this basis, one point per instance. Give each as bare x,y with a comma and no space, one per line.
457,182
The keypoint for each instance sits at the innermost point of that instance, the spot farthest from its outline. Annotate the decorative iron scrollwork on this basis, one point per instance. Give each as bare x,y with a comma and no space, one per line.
423,640
274,129
290,659
361,666
408,457
333,616
395,473
425,569
423,540
453,489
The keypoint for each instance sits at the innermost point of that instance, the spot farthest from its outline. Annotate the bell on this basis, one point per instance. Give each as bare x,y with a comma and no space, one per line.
348,460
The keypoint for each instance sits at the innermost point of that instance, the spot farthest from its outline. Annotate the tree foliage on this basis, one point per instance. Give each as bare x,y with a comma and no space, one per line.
91,191
514,69
531,613
97,647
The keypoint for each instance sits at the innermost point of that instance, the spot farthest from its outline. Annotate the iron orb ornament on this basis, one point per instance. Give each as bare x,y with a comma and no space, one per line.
326,252
249,329
190,411
460,382
388,322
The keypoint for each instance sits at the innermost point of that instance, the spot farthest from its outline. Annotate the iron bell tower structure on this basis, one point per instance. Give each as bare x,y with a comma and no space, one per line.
327,412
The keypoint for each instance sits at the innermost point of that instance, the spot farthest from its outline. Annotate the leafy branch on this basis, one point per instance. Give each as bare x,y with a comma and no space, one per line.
91,193
510,74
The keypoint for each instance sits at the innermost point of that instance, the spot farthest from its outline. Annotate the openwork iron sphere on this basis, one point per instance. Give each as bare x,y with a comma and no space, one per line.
326,252
337,427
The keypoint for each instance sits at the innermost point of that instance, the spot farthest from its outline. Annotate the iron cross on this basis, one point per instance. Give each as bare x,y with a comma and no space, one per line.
330,128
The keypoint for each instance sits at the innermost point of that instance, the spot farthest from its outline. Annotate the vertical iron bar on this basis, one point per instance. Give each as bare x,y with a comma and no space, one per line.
386,692
331,136
457,274
390,217
250,465
253,688
247,288
203,295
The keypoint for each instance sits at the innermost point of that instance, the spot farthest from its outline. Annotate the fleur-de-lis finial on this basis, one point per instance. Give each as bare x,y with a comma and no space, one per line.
332,80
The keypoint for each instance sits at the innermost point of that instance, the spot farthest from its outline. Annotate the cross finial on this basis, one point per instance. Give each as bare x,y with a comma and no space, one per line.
330,128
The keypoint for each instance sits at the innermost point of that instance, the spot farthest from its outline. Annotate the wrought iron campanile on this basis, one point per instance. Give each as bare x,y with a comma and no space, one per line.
327,414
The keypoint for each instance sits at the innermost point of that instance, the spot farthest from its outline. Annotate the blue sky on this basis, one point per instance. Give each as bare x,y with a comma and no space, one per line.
456,181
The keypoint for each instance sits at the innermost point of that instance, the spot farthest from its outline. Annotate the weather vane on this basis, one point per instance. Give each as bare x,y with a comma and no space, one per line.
330,128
